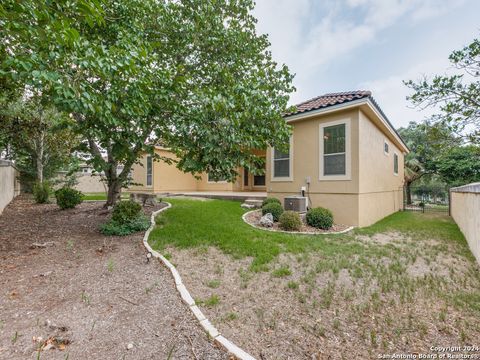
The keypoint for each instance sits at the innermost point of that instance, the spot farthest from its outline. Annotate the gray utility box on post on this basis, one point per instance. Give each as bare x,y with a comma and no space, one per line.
295,203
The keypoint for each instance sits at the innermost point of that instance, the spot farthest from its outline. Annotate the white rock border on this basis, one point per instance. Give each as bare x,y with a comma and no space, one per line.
230,347
244,218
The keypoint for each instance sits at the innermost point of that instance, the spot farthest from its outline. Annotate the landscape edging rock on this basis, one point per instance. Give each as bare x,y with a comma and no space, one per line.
230,347
244,218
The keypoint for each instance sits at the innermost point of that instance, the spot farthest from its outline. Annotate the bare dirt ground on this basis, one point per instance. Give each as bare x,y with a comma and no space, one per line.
85,295
399,297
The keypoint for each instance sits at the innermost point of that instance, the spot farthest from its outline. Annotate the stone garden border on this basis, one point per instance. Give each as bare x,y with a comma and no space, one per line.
244,216
230,347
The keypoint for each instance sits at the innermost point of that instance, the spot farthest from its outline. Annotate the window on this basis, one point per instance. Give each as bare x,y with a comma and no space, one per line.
395,164
149,171
220,180
335,150
281,164
385,148
259,180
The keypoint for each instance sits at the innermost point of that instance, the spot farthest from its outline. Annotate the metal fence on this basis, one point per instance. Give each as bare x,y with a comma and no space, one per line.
426,199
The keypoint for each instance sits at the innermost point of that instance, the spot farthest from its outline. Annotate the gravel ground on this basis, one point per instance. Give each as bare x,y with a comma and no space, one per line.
85,295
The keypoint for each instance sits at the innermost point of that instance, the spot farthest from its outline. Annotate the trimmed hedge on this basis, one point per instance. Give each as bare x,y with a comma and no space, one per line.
127,218
320,218
290,221
273,208
125,211
68,198
271,200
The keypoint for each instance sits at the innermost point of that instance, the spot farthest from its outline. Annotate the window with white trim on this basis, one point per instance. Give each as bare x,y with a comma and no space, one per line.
385,148
395,164
334,146
281,164
334,150
149,170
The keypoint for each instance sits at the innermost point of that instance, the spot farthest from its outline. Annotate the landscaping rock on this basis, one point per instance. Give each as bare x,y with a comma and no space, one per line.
267,220
247,206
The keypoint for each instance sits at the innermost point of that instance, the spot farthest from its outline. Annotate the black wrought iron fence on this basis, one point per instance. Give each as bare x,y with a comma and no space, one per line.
426,199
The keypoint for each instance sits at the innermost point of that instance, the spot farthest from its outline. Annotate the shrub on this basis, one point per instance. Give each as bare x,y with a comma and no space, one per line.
41,192
270,200
290,221
126,211
320,218
68,198
140,223
127,218
273,208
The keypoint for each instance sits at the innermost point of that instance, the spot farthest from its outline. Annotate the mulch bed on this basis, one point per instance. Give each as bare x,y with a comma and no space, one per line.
70,291
254,217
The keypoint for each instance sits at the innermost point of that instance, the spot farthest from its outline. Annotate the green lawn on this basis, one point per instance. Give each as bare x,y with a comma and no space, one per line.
100,196
407,266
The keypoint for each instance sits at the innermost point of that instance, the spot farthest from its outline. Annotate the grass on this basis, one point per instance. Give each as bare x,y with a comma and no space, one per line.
101,196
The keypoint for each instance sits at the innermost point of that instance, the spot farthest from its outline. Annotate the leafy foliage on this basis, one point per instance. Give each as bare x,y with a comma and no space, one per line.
41,192
140,223
460,165
126,211
68,198
320,218
193,76
290,221
270,200
457,97
273,208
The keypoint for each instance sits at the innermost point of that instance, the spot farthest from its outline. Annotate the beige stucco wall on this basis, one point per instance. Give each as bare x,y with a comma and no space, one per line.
373,190
88,183
9,184
380,189
465,210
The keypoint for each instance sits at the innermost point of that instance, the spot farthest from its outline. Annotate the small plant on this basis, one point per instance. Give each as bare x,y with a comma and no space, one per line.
282,271
126,211
211,301
68,198
231,316
273,208
70,244
290,221
15,337
148,289
110,265
85,297
41,192
213,284
127,218
421,204
292,285
320,218
271,200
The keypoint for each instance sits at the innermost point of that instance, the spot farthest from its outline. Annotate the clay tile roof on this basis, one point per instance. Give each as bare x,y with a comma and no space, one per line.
329,100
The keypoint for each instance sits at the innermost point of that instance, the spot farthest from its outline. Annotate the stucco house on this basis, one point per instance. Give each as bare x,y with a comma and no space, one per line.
343,152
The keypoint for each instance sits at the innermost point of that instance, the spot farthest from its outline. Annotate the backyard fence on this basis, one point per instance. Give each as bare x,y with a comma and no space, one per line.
426,199
465,210
9,183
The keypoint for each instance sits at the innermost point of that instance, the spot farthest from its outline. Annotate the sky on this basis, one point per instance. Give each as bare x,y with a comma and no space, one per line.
342,45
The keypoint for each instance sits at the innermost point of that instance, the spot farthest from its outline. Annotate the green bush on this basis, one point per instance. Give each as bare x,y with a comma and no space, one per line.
290,221
140,223
273,208
270,200
41,192
126,211
68,198
320,218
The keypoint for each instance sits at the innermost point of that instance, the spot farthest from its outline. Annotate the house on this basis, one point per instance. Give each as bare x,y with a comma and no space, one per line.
343,153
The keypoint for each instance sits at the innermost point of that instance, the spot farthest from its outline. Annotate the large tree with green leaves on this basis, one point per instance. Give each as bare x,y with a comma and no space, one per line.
457,96
192,75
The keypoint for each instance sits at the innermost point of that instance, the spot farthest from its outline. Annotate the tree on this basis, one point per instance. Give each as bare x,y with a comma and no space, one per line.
38,138
460,165
457,96
191,75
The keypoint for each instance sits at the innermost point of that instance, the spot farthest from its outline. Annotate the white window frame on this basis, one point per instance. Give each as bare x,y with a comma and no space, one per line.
215,182
274,178
385,142
348,151
146,171
395,155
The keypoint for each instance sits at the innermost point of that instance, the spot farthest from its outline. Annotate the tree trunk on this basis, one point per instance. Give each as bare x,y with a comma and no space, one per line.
409,193
40,150
114,192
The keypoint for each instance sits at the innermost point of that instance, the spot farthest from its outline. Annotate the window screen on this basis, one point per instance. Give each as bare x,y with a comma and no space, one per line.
395,163
334,155
149,171
281,164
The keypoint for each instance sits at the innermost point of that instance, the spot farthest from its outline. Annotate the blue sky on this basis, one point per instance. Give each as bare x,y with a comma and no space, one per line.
367,44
